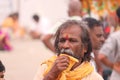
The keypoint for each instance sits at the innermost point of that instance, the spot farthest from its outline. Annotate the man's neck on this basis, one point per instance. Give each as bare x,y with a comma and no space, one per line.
75,65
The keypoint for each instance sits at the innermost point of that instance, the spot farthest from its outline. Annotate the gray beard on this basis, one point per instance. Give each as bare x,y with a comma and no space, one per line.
69,52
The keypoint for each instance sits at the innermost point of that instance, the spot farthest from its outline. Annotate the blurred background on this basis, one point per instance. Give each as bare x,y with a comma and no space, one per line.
22,54
26,8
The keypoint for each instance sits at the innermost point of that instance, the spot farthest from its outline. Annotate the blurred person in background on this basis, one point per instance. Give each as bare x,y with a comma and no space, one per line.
2,71
73,45
5,41
74,13
97,38
12,26
35,31
111,25
39,26
111,47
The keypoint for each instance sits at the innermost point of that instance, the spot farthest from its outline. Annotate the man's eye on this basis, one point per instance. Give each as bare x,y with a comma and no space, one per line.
99,35
72,40
62,40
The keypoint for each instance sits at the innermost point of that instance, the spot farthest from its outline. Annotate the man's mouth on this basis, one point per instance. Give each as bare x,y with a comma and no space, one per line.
67,51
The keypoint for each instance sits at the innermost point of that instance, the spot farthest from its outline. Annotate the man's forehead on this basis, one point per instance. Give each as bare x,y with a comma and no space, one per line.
73,30
97,29
69,35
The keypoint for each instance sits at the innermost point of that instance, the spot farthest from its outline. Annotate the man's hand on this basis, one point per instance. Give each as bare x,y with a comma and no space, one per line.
60,64
116,67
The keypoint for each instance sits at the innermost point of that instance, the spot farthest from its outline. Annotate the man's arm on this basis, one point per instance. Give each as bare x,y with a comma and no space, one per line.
51,76
105,60
47,41
115,66
98,63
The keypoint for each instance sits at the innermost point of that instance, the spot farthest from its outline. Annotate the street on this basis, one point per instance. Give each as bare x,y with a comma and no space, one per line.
23,61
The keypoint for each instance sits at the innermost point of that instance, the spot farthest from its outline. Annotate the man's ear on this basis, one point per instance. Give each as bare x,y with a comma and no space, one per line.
85,48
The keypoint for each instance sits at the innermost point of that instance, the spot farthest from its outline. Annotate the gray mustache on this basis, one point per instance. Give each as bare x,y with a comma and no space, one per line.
67,51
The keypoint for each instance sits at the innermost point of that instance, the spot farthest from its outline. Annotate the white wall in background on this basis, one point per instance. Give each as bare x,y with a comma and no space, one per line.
7,7
51,9
15,5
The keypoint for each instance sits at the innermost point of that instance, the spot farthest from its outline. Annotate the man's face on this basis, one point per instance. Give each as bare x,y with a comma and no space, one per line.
70,39
97,37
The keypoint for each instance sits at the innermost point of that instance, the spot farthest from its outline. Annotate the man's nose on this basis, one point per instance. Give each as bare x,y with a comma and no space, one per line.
102,39
66,45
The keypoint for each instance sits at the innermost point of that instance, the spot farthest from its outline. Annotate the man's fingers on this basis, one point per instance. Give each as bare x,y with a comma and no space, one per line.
117,67
63,66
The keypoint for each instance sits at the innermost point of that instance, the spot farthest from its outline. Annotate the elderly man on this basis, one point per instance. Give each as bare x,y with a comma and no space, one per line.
73,46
